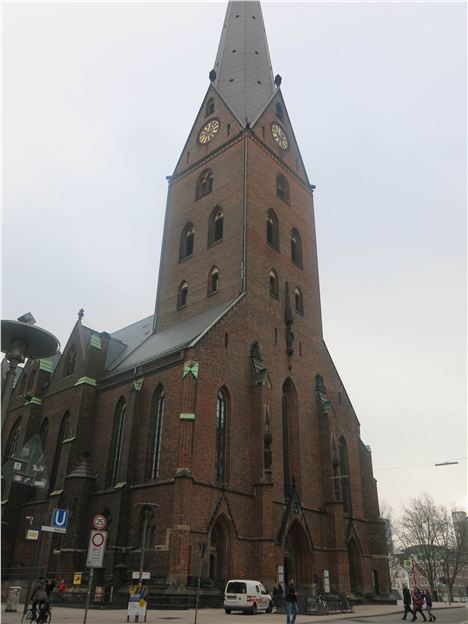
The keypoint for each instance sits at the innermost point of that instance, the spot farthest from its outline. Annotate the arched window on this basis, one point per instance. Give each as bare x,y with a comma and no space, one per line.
210,107
274,288
213,280
272,229
221,437
296,248
186,241
344,475
336,473
147,528
13,440
156,431
116,443
63,434
43,432
70,362
204,184
215,225
282,188
298,301
279,111
182,295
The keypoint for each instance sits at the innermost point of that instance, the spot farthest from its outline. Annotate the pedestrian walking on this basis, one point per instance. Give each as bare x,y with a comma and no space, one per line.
407,602
428,600
418,604
291,602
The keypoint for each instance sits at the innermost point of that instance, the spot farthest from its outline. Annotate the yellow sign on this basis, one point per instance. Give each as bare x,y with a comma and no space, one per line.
142,602
77,578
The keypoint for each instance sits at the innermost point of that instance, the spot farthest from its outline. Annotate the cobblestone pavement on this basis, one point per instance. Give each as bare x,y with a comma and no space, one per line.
62,615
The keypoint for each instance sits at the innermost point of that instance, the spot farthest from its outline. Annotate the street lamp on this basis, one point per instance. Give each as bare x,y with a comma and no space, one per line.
20,340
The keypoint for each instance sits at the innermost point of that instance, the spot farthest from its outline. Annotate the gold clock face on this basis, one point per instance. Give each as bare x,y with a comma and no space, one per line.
280,136
209,131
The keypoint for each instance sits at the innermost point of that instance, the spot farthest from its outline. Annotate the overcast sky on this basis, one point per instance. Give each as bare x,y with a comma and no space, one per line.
98,100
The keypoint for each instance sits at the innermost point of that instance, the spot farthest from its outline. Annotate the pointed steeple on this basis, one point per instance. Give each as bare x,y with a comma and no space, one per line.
244,76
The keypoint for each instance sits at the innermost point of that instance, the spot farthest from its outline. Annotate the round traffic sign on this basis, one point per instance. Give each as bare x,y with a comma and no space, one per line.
97,540
99,522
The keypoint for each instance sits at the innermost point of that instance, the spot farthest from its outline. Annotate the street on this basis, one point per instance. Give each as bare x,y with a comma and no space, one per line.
366,614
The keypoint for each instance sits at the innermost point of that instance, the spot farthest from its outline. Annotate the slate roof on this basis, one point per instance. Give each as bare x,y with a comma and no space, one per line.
135,344
244,76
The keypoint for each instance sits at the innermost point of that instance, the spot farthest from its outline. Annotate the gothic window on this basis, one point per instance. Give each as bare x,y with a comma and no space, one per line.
186,241
13,440
282,188
298,301
272,229
296,248
336,473
182,295
344,475
213,280
215,225
156,431
70,362
44,430
116,443
279,111
210,107
274,288
147,528
204,184
63,434
221,437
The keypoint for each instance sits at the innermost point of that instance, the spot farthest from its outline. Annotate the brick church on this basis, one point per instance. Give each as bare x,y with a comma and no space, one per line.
221,418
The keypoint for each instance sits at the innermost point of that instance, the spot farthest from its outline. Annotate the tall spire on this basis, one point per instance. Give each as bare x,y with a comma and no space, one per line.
244,76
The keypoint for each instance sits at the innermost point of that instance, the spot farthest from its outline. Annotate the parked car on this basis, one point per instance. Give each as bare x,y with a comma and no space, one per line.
248,596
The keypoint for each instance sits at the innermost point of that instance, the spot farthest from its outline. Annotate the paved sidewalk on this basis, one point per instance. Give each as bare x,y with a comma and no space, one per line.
62,615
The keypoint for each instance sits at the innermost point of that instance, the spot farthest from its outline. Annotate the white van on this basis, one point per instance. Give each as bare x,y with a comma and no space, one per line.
247,596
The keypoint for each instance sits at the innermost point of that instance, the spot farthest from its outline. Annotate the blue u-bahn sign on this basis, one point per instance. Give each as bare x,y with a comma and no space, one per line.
60,518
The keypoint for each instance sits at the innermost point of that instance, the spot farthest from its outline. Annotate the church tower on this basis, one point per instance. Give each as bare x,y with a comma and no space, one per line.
221,419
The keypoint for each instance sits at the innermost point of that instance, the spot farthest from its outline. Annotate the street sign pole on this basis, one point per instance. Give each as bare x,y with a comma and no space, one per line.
90,584
202,548
33,571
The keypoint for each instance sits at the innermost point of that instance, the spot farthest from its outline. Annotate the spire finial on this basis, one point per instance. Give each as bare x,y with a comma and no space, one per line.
80,314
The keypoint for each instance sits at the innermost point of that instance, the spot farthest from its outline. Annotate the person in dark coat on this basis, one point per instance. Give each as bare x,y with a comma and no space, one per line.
428,599
291,602
418,604
407,602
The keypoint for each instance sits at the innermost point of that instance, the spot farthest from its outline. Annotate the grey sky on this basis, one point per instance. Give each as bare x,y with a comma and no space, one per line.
98,100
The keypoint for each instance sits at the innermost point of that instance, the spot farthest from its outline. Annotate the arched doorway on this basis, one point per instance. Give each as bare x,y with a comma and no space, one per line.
354,560
297,555
220,552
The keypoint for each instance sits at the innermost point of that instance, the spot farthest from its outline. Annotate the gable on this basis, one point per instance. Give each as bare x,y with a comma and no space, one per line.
229,127
280,118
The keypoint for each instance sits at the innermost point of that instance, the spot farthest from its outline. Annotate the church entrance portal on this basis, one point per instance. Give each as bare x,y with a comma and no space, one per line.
220,550
354,566
297,555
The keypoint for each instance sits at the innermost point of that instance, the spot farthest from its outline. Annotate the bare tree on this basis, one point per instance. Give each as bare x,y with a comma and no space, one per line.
453,543
419,532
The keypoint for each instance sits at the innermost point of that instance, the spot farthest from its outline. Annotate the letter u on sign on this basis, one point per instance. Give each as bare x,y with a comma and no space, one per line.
60,518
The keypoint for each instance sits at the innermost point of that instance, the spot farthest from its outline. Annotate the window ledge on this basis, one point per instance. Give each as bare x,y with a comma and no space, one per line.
185,258
213,292
216,242
273,246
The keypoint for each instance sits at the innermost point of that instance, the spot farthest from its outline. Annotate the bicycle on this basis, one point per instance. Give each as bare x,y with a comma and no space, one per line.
321,605
41,616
